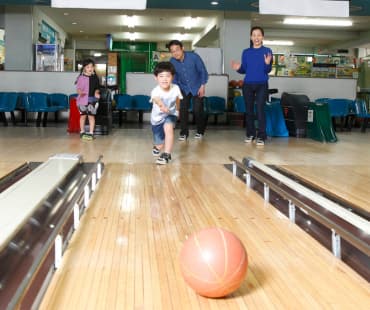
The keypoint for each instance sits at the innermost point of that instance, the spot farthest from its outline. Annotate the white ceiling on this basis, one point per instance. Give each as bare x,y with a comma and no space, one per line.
155,25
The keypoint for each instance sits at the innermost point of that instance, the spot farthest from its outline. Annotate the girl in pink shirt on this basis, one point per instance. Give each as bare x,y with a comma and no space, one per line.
87,85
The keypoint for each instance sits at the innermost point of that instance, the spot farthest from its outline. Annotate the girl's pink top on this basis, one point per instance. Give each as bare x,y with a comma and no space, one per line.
83,85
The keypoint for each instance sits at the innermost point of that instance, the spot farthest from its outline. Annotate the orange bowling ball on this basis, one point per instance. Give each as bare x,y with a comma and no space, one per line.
213,262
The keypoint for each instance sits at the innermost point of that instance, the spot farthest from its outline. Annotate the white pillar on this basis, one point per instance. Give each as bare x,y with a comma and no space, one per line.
234,38
19,46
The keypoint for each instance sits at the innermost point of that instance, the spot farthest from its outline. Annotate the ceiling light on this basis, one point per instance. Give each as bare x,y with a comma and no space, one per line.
97,54
98,4
190,22
74,23
132,36
214,3
130,21
322,8
278,42
181,36
317,22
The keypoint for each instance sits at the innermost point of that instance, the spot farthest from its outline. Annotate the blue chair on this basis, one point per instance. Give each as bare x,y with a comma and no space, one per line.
239,107
22,105
58,101
215,106
124,103
362,113
339,108
322,100
8,103
141,103
39,102
239,104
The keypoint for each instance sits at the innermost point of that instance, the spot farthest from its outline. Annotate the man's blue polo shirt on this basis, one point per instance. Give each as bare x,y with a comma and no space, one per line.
190,74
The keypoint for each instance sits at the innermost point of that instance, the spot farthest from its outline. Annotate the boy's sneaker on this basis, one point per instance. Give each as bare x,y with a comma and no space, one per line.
183,137
198,136
260,142
163,159
249,139
155,151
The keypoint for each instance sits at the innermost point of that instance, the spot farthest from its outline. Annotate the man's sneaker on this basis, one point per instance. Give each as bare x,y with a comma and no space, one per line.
260,142
155,151
82,135
249,139
163,159
183,137
198,136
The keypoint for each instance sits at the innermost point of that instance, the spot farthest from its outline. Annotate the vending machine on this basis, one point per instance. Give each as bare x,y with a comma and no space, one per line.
47,57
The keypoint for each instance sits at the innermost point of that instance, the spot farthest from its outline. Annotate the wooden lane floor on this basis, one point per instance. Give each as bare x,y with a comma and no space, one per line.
7,167
125,253
349,182
20,144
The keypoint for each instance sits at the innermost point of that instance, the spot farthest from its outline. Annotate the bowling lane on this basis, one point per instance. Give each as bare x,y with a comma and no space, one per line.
125,253
349,182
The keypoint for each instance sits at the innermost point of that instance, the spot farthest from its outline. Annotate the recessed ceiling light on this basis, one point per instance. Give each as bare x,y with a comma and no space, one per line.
65,13
74,23
278,42
214,3
190,22
317,22
98,4
130,21
81,31
132,36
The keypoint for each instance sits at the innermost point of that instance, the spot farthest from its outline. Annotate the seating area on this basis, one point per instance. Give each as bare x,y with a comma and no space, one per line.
339,108
37,102
281,114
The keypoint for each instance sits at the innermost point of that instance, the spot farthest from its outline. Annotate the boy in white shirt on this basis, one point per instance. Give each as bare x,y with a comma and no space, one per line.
166,102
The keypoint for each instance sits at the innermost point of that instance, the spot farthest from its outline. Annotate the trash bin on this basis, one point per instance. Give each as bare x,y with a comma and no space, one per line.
319,124
295,113
103,119
74,116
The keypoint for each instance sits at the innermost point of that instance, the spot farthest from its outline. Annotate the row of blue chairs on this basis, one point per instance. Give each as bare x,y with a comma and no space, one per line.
126,103
214,105
343,108
39,102
347,110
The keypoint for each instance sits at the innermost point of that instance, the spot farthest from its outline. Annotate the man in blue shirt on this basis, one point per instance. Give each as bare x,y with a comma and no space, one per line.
191,76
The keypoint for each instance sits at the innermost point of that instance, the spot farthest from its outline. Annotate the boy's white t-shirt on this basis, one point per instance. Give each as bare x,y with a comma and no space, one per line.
168,98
